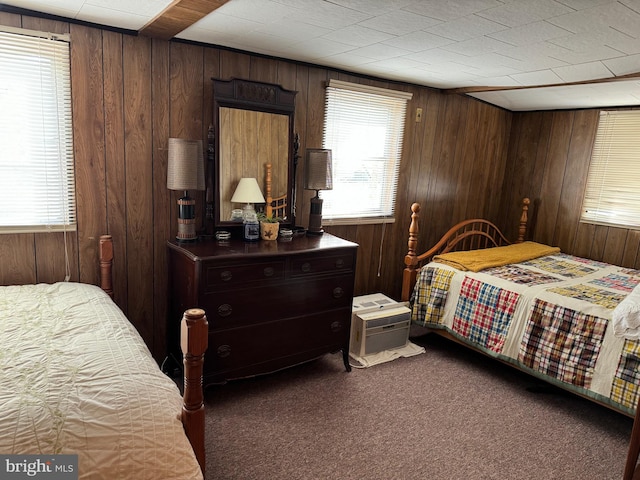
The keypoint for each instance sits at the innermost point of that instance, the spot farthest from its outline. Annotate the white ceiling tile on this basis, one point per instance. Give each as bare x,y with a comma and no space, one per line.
436,55
399,22
623,65
589,54
530,33
139,7
451,9
325,14
609,37
348,59
374,7
357,36
263,11
501,81
466,28
380,51
541,77
107,16
522,12
321,47
222,26
418,41
67,8
477,46
581,72
294,32
395,64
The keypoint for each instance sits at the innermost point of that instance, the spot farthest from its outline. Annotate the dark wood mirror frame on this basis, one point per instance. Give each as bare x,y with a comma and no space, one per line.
250,96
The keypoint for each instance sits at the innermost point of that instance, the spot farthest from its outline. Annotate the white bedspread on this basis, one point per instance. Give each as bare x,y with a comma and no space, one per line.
77,378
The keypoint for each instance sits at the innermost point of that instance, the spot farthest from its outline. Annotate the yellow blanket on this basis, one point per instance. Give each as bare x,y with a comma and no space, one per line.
476,260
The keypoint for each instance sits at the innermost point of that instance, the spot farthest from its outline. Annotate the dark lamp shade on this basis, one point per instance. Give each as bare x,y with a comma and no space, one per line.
185,167
318,169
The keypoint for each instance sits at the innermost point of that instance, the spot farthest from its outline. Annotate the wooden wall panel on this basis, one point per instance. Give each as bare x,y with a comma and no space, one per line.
552,166
164,211
139,182
87,83
115,165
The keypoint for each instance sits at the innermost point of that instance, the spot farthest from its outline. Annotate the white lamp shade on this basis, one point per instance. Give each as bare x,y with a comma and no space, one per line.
248,191
318,169
185,167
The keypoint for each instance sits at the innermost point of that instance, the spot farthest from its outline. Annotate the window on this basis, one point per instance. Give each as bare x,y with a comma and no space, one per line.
36,159
364,127
612,195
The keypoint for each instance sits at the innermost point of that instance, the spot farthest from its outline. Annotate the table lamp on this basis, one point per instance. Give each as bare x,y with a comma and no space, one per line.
185,171
318,176
247,192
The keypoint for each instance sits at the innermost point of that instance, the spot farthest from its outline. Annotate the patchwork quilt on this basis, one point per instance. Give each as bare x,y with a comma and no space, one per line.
550,316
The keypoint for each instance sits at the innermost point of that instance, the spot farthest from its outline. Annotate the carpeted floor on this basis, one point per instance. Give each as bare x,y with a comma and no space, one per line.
447,414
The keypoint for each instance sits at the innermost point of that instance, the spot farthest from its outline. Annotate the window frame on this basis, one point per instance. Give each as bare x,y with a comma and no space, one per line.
614,172
362,100
43,186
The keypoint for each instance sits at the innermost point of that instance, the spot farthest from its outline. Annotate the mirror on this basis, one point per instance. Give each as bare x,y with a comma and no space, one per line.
253,127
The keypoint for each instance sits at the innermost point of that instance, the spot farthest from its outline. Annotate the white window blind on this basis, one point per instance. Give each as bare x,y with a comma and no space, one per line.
37,190
364,128
612,194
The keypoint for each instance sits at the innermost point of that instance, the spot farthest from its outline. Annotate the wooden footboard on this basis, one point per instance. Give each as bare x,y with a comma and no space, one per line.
193,340
471,234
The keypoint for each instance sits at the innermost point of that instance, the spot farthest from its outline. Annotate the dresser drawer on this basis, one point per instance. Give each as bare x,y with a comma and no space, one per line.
322,264
248,306
262,345
217,276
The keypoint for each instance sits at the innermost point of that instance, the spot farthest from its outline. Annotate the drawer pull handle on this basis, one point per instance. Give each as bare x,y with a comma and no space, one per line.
226,275
269,271
306,267
336,326
338,292
224,351
339,263
224,310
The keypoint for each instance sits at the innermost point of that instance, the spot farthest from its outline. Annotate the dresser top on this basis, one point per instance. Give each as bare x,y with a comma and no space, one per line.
206,249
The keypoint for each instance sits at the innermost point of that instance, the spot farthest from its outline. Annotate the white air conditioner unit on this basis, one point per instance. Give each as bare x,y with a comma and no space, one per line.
378,323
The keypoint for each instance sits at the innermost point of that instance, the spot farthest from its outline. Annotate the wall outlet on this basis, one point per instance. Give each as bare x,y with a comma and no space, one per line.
418,114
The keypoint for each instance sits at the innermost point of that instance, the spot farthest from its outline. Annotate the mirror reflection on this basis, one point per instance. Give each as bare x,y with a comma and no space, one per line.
249,140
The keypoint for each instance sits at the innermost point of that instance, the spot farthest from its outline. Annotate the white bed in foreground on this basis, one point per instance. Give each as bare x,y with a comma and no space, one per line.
77,378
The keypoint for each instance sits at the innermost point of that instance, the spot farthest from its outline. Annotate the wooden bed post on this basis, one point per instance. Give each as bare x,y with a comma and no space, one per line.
106,262
409,273
522,228
194,341
268,208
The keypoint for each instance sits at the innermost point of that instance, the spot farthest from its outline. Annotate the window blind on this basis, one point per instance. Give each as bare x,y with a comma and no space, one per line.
364,128
37,190
612,196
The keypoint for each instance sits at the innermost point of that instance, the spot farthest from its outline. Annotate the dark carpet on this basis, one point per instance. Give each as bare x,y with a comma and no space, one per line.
447,414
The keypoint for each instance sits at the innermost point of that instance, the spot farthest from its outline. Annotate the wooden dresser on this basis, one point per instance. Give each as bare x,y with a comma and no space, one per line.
270,304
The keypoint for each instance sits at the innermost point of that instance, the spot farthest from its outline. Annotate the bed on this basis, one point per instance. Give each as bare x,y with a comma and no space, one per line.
78,379
532,306
571,321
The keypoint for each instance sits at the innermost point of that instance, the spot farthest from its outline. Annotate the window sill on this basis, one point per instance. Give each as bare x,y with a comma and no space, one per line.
328,222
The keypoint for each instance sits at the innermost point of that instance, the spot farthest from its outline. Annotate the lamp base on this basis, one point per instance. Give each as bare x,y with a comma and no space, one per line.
315,217
186,219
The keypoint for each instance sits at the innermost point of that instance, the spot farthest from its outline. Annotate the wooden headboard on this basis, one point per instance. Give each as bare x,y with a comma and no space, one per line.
471,234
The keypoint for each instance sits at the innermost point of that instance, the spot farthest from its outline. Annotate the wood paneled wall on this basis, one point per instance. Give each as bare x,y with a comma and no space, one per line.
130,94
549,156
